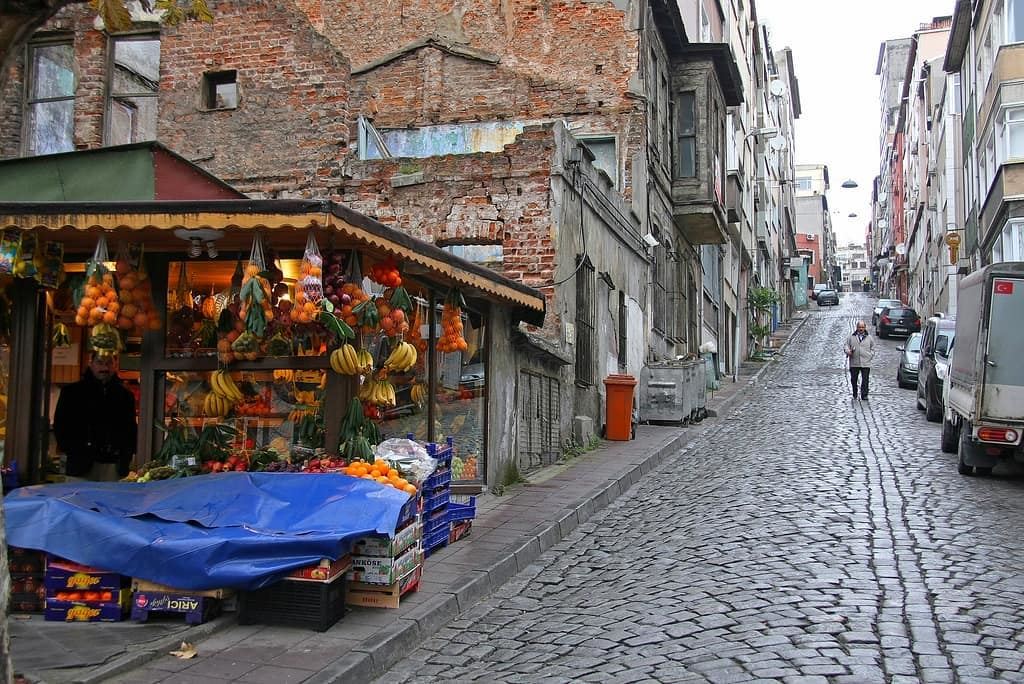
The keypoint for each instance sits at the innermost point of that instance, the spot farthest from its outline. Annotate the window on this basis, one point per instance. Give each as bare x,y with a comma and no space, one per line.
687,135
490,256
803,182
586,313
603,149
1015,21
1009,246
50,103
220,89
1014,127
705,25
134,84
659,291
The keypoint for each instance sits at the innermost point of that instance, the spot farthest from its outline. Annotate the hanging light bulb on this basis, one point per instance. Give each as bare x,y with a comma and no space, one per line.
211,249
195,247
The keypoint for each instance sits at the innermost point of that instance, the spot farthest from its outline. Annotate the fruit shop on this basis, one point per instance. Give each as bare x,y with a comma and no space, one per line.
271,335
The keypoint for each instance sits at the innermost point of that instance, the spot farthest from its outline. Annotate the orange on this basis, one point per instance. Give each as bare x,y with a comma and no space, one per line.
409,489
393,473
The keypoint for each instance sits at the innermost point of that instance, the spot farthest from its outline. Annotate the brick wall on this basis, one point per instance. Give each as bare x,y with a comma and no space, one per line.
484,198
289,135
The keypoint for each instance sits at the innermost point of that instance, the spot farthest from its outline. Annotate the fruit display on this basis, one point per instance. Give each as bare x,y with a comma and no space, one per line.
334,279
451,339
355,297
415,335
246,346
98,301
418,393
61,336
377,391
256,307
402,358
216,406
367,315
223,385
105,340
392,320
381,472
464,469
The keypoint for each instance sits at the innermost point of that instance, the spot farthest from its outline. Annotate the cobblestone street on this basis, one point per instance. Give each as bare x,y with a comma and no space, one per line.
807,538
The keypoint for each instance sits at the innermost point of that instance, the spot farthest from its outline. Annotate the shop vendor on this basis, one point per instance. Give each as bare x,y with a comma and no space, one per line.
94,423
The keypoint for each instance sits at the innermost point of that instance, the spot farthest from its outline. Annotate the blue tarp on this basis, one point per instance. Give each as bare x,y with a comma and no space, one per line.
239,530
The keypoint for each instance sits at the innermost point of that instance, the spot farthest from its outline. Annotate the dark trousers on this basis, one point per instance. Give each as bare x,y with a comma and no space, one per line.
863,372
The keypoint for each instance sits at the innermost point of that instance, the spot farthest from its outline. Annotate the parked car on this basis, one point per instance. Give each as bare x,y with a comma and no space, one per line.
828,298
818,287
906,372
984,418
882,304
936,342
898,320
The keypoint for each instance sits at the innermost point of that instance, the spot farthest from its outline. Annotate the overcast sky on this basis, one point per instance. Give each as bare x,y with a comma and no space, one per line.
835,52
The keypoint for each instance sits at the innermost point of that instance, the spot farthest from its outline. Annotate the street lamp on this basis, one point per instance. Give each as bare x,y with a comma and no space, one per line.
852,214
849,183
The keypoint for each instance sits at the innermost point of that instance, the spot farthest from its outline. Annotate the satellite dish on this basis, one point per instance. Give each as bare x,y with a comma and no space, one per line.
777,88
778,143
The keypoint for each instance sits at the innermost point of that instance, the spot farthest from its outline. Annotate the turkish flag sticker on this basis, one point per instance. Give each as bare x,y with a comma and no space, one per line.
1003,287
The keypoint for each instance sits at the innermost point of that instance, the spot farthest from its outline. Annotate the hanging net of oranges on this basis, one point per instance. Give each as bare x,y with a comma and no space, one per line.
138,312
451,339
96,299
309,290
419,319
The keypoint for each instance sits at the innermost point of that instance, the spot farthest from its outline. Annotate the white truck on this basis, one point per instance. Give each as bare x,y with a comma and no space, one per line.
984,390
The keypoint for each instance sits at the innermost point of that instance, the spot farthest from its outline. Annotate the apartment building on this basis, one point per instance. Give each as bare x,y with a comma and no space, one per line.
815,239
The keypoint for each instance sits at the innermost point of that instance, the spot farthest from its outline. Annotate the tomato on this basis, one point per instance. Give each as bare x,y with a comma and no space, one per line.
91,596
240,468
107,596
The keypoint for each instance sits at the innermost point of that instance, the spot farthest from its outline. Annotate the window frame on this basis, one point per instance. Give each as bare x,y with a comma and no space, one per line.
586,323
110,97
29,102
687,136
588,140
212,79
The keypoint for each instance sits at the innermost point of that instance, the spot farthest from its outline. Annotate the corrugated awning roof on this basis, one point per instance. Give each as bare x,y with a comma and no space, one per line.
288,219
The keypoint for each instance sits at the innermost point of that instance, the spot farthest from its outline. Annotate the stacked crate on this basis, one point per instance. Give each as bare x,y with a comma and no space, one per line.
384,569
436,493
28,594
79,593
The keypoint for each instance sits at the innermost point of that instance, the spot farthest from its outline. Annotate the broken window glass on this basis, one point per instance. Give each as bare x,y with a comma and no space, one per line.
51,99
134,90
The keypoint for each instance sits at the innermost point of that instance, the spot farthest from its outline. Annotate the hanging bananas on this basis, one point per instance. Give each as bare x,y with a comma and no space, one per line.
216,406
377,392
418,393
402,358
345,360
224,386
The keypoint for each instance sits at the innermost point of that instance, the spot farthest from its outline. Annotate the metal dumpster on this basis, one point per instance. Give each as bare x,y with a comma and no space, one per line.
669,392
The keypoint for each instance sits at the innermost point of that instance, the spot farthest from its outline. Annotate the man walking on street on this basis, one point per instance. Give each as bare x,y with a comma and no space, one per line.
860,349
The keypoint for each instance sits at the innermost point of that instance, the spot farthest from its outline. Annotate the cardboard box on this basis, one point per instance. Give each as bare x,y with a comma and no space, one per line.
62,574
382,569
144,585
92,597
196,609
383,546
77,611
324,571
383,596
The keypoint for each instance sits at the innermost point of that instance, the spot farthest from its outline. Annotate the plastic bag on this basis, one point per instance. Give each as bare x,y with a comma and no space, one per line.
311,272
407,457
255,294
96,300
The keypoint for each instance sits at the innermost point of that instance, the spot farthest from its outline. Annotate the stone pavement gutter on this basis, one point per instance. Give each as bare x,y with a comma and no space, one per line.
509,533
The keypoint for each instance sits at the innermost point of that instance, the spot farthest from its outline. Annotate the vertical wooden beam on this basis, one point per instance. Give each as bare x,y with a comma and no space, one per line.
22,385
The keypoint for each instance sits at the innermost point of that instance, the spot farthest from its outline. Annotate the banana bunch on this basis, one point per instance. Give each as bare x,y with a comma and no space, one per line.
377,392
216,406
418,393
284,375
402,358
61,336
345,360
224,386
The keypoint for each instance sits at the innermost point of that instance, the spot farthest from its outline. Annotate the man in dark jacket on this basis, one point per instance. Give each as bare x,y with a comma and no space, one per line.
95,423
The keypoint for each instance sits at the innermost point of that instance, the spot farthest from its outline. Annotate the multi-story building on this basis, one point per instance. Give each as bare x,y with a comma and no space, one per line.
815,240
594,172
986,52
904,166
853,265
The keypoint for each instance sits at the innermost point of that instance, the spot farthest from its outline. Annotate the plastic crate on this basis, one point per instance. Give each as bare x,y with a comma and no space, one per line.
294,603
443,453
435,500
435,521
462,511
442,478
435,540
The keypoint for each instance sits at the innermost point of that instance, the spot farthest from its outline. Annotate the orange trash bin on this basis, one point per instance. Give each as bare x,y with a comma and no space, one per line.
618,419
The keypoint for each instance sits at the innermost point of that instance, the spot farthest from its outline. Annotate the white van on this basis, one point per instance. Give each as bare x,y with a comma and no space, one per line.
984,411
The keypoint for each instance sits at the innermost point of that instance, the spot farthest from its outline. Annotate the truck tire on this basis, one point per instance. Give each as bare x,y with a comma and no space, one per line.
950,437
932,409
963,444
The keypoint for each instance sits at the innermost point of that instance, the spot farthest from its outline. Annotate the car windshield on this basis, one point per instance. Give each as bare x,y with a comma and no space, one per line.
948,336
914,343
